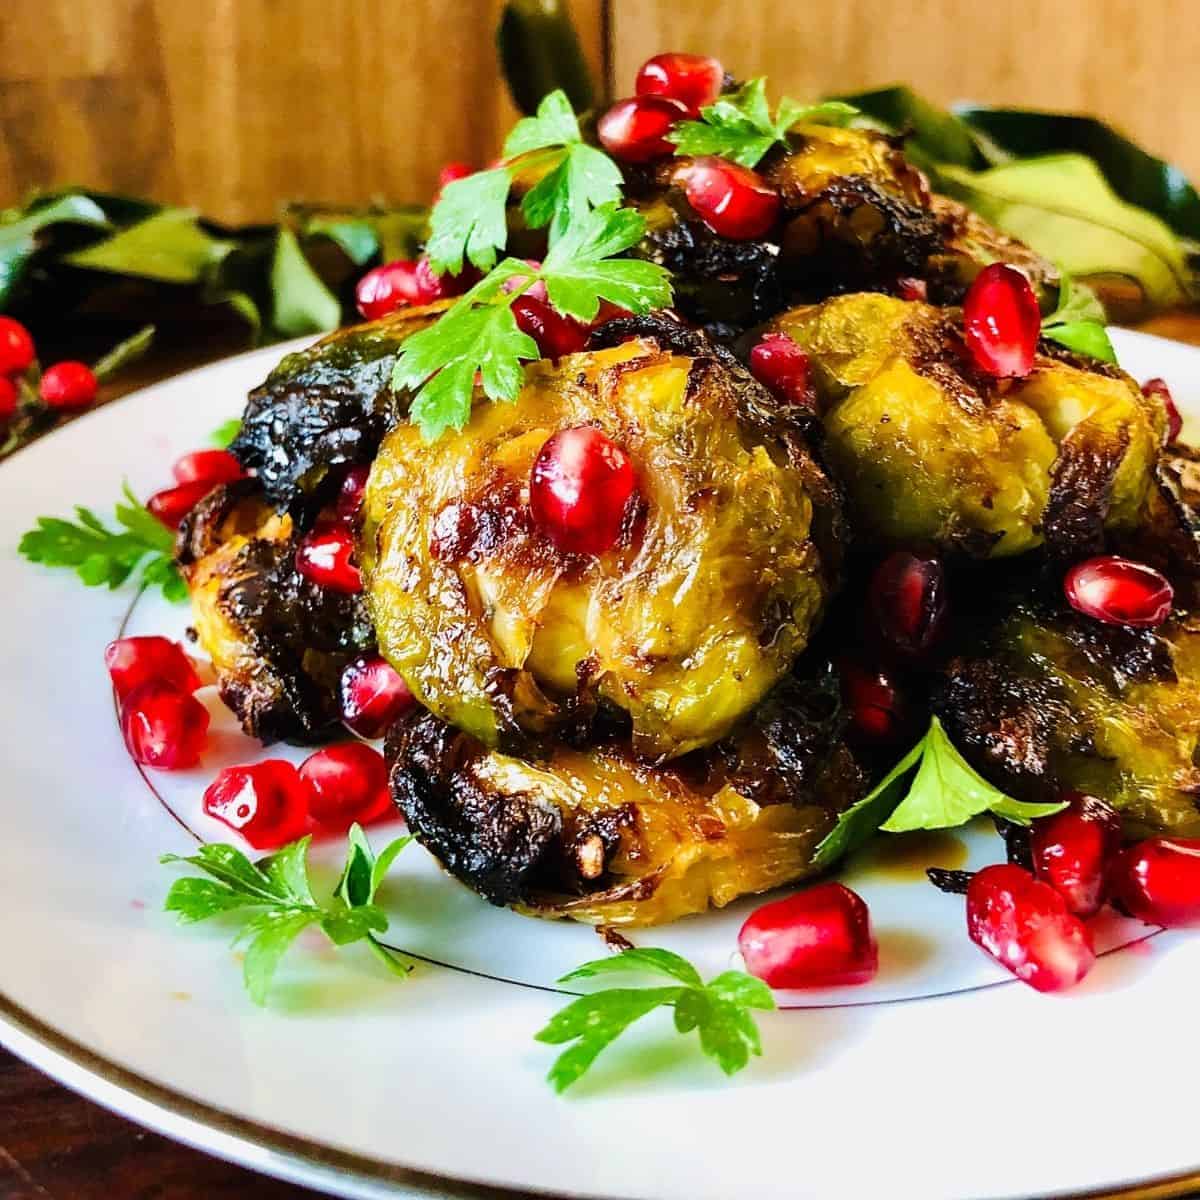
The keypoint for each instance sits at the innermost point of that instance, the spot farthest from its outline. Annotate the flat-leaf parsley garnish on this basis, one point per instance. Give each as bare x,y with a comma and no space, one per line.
1079,322
275,902
719,1011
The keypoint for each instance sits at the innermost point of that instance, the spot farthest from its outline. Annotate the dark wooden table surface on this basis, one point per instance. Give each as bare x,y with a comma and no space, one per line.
55,1145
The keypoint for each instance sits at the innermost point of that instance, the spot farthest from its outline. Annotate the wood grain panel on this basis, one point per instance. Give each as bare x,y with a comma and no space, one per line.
1134,62
237,106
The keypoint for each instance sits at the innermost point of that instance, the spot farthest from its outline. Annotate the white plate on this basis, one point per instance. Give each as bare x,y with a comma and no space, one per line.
942,1078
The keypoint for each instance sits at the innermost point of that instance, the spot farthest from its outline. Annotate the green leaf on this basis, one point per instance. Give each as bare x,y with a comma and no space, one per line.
554,125
729,1035
935,136
1062,207
540,52
19,233
301,301
169,247
287,871
195,899
470,221
229,865
124,353
1079,322
354,886
384,862
691,1008
947,792
583,180
269,936
1084,337
226,433
736,987
353,924
662,962
356,238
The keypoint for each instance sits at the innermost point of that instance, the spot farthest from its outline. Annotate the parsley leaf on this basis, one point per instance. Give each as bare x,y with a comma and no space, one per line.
740,127
102,556
470,221
554,124
719,1011
931,787
278,891
1079,322
224,435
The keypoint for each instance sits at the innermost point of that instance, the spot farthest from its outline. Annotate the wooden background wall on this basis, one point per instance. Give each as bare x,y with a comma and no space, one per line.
235,106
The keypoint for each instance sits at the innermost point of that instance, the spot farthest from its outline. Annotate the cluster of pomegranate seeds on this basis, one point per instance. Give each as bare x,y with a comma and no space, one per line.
267,802
635,130
326,557
396,285
580,488
163,726
1073,850
873,703
1001,321
132,661
733,201
694,80
68,385
1119,591
907,596
555,334
373,695
346,783
1158,881
64,387
779,364
1158,387
820,937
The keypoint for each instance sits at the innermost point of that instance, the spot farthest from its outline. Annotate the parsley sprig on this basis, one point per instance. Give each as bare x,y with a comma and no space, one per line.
931,787
1079,322
719,1011
103,556
275,900
740,126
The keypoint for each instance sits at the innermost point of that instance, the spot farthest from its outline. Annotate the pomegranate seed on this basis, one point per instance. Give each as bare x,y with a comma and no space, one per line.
171,505
208,466
537,289
132,661
1158,881
579,489
555,334
267,802
346,783
1158,387
873,703
68,385
820,937
397,284
350,494
733,201
908,600
1119,591
1025,925
325,557
1001,321
912,289
1072,851
695,80
9,398
452,172
373,695
779,364
636,130
16,347
163,726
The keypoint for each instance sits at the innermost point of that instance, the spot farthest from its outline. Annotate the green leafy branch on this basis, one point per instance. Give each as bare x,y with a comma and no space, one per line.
275,901
718,1011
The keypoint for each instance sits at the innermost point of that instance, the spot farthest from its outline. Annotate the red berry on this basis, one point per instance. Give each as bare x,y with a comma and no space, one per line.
350,494
733,201
1158,881
1072,851
636,130
397,284
579,489
373,695
68,385
873,704
16,347
695,80
820,937
1025,925
132,661
267,802
555,334
908,601
912,289
171,505
1158,387
1119,591
325,557
1001,321
779,364
163,726
10,397
346,783
452,172
208,466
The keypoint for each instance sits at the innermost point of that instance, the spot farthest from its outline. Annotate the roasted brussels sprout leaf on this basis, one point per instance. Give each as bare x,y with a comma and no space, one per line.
720,1012
278,891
